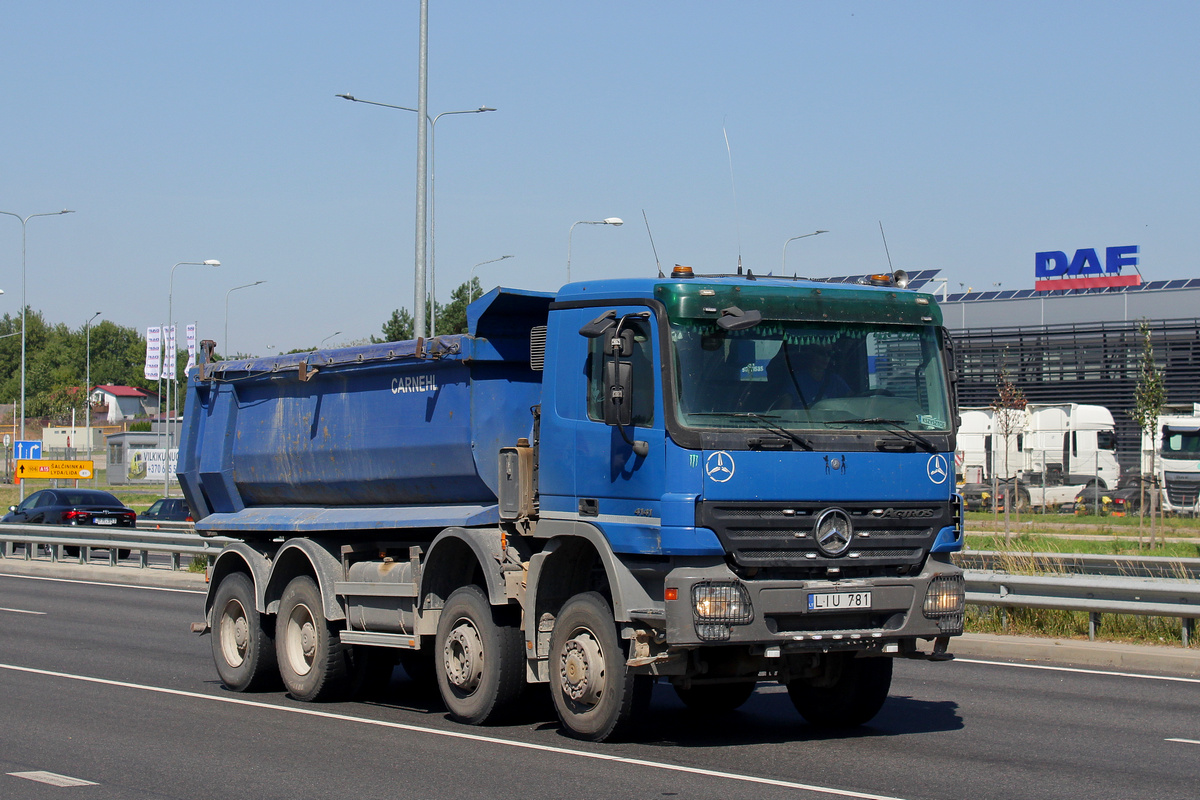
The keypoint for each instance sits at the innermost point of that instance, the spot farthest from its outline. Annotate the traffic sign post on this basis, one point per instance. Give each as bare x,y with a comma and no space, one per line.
39,469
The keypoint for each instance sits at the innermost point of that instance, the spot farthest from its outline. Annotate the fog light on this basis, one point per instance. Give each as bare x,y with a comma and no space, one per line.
946,596
722,603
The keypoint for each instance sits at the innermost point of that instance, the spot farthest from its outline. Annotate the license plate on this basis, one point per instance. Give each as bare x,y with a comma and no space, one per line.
103,521
839,601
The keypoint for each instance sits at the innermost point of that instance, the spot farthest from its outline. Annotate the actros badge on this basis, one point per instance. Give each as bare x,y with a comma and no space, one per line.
719,466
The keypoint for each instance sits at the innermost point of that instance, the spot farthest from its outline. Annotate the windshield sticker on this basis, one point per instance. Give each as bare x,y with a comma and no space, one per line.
930,421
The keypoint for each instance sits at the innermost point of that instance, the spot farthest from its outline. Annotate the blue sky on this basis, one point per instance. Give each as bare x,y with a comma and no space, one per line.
976,133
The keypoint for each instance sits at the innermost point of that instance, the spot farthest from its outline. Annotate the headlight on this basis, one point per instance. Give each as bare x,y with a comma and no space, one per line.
727,603
946,597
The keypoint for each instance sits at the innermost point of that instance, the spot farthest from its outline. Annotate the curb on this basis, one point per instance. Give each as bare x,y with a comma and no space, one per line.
158,578
1174,661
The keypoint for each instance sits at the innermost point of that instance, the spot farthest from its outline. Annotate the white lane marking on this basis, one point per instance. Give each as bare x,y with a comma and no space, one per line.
471,737
23,611
1173,678
100,583
53,779
1184,741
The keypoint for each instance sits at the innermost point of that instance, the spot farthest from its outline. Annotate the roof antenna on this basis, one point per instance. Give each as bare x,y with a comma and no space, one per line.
657,263
885,247
736,218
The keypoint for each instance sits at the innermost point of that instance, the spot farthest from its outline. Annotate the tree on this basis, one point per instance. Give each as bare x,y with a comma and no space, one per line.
398,328
1149,398
453,317
1008,420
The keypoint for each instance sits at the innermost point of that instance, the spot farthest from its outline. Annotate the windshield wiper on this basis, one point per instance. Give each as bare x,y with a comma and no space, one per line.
895,426
763,420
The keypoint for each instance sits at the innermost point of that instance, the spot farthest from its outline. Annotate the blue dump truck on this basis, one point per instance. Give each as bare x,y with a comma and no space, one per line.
710,481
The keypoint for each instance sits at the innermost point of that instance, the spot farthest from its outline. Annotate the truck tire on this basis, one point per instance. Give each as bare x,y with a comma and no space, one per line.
313,662
595,694
716,698
480,663
243,643
850,693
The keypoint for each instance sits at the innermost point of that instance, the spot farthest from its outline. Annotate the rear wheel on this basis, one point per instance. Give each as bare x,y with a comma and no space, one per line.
480,663
242,643
716,698
848,692
596,695
313,662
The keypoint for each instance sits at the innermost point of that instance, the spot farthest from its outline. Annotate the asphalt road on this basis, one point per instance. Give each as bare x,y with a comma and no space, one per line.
106,684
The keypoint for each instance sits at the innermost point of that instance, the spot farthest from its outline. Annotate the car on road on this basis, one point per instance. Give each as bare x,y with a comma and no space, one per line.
167,509
90,507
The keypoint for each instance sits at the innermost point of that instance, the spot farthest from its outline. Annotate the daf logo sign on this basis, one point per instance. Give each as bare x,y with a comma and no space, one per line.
937,469
719,466
833,532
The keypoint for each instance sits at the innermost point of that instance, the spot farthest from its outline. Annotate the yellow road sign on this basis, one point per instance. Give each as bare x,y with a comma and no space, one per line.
48,470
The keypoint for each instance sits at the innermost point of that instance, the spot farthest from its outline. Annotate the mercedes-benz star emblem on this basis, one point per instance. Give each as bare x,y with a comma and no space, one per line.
833,532
719,466
937,469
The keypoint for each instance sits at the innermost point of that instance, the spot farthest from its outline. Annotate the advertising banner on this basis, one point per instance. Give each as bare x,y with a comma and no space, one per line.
169,370
191,346
153,369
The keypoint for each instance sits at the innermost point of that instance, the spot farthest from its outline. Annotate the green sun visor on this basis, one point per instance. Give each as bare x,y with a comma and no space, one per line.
697,299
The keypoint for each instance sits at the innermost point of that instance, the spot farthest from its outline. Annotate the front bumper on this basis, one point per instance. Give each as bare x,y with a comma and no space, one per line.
776,612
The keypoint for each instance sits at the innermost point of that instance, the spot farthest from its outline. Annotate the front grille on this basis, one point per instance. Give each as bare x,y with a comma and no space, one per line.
781,534
1182,488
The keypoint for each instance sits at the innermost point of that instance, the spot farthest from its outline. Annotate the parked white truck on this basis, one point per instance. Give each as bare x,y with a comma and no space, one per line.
1176,447
1051,451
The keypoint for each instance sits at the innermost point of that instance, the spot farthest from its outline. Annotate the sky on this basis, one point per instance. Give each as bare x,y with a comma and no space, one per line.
973,134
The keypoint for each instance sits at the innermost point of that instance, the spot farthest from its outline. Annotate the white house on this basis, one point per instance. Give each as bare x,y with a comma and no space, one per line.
124,402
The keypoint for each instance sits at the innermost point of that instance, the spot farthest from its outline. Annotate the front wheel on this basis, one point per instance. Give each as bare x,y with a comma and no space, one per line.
243,645
481,663
848,692
313,662
596,695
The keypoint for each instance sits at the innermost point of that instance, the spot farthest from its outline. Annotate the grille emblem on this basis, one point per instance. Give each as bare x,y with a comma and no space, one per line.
833,532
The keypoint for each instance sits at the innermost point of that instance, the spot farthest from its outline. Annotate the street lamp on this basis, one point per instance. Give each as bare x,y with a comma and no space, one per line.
87,394
24,221
327,338
420,299
171,358
783,267
614,221
471,282
234,289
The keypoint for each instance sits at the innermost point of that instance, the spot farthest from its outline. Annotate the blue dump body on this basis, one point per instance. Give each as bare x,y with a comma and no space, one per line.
412,427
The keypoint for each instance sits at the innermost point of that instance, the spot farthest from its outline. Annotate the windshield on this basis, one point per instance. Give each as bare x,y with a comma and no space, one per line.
810,376
1181,442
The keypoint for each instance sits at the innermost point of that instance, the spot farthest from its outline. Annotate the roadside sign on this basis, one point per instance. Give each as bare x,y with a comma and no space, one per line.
28,450
35,469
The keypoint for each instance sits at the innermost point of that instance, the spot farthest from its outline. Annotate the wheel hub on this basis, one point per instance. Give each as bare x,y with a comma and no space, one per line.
581,671
462,656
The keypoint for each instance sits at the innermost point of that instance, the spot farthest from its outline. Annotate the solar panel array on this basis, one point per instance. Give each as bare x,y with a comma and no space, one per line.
916,279
1018,294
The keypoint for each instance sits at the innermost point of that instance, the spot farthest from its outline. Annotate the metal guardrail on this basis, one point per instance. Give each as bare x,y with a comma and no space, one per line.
1106,589
1084,564
173,538
1095,594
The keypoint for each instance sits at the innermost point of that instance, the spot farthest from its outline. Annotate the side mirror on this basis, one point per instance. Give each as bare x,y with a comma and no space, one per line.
618,392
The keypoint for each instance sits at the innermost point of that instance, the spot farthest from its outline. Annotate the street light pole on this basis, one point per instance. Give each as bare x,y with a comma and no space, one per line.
168,415
783,267
423,298
229,350
327,338
614,221
24,221
471,282
87,393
